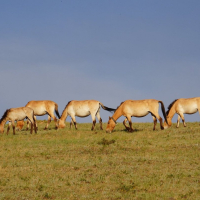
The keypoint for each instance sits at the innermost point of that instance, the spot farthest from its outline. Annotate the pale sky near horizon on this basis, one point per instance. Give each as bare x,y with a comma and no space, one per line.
108,50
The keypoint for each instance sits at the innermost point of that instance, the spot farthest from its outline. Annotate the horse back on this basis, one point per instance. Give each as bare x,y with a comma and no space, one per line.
41,107
19,113
82,108
139,107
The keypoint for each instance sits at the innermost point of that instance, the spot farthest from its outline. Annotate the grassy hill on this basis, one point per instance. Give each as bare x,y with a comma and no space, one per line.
85,164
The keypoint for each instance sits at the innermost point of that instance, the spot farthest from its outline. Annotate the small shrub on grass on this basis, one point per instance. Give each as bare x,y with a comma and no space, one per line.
127,187
105,142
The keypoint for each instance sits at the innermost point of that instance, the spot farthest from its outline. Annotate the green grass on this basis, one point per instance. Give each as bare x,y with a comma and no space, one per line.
85,164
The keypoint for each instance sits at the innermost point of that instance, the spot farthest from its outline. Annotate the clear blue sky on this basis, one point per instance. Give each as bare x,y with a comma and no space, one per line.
108,50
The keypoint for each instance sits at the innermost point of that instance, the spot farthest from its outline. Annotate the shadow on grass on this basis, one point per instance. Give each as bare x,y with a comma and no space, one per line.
125,130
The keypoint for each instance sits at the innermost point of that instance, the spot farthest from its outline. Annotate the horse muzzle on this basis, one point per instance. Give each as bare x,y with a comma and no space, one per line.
108,131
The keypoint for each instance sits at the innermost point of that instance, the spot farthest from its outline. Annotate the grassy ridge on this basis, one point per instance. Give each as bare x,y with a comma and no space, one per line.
85,164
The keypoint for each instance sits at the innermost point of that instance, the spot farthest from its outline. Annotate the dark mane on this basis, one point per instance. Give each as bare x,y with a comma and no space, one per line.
170,106
119,105
66,106
4,115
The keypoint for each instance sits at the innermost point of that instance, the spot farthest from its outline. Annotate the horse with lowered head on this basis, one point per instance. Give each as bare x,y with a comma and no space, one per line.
42,108
82,109
15,114
182,106
136,108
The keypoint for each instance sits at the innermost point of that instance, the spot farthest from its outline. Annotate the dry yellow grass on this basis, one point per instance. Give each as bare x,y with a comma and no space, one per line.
85,164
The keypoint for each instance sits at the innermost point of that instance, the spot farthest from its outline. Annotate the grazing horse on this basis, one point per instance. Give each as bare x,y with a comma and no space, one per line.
82,109
182,106
42,108
15,114
136,108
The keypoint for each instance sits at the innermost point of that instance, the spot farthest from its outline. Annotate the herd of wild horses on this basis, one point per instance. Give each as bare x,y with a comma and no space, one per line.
128,109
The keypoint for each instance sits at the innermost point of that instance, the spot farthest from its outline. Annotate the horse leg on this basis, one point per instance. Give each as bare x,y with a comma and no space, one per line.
93,124
157,116
48,121
75,125
199,112
178,120
100,120
74,121
124,122
155,122
32,120
35,123
35,128
71,123
31,128
131,128
51,115
183,119
161,123
9,125
93,121
13,125
130,124
29,120
56,122
27,127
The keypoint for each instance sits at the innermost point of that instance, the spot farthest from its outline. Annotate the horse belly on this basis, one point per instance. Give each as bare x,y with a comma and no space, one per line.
136,109
191,111
82,113
189,108
137,112
39,111
140,113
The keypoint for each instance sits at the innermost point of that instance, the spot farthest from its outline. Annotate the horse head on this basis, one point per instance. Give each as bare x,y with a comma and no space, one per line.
169,120
110,125
61,123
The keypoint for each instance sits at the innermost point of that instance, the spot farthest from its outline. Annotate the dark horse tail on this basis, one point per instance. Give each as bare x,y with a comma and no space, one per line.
106,108
56,110
163,111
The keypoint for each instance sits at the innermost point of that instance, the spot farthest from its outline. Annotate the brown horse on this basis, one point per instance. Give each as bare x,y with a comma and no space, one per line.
42,108
136,108
182,106
82,109
15,114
